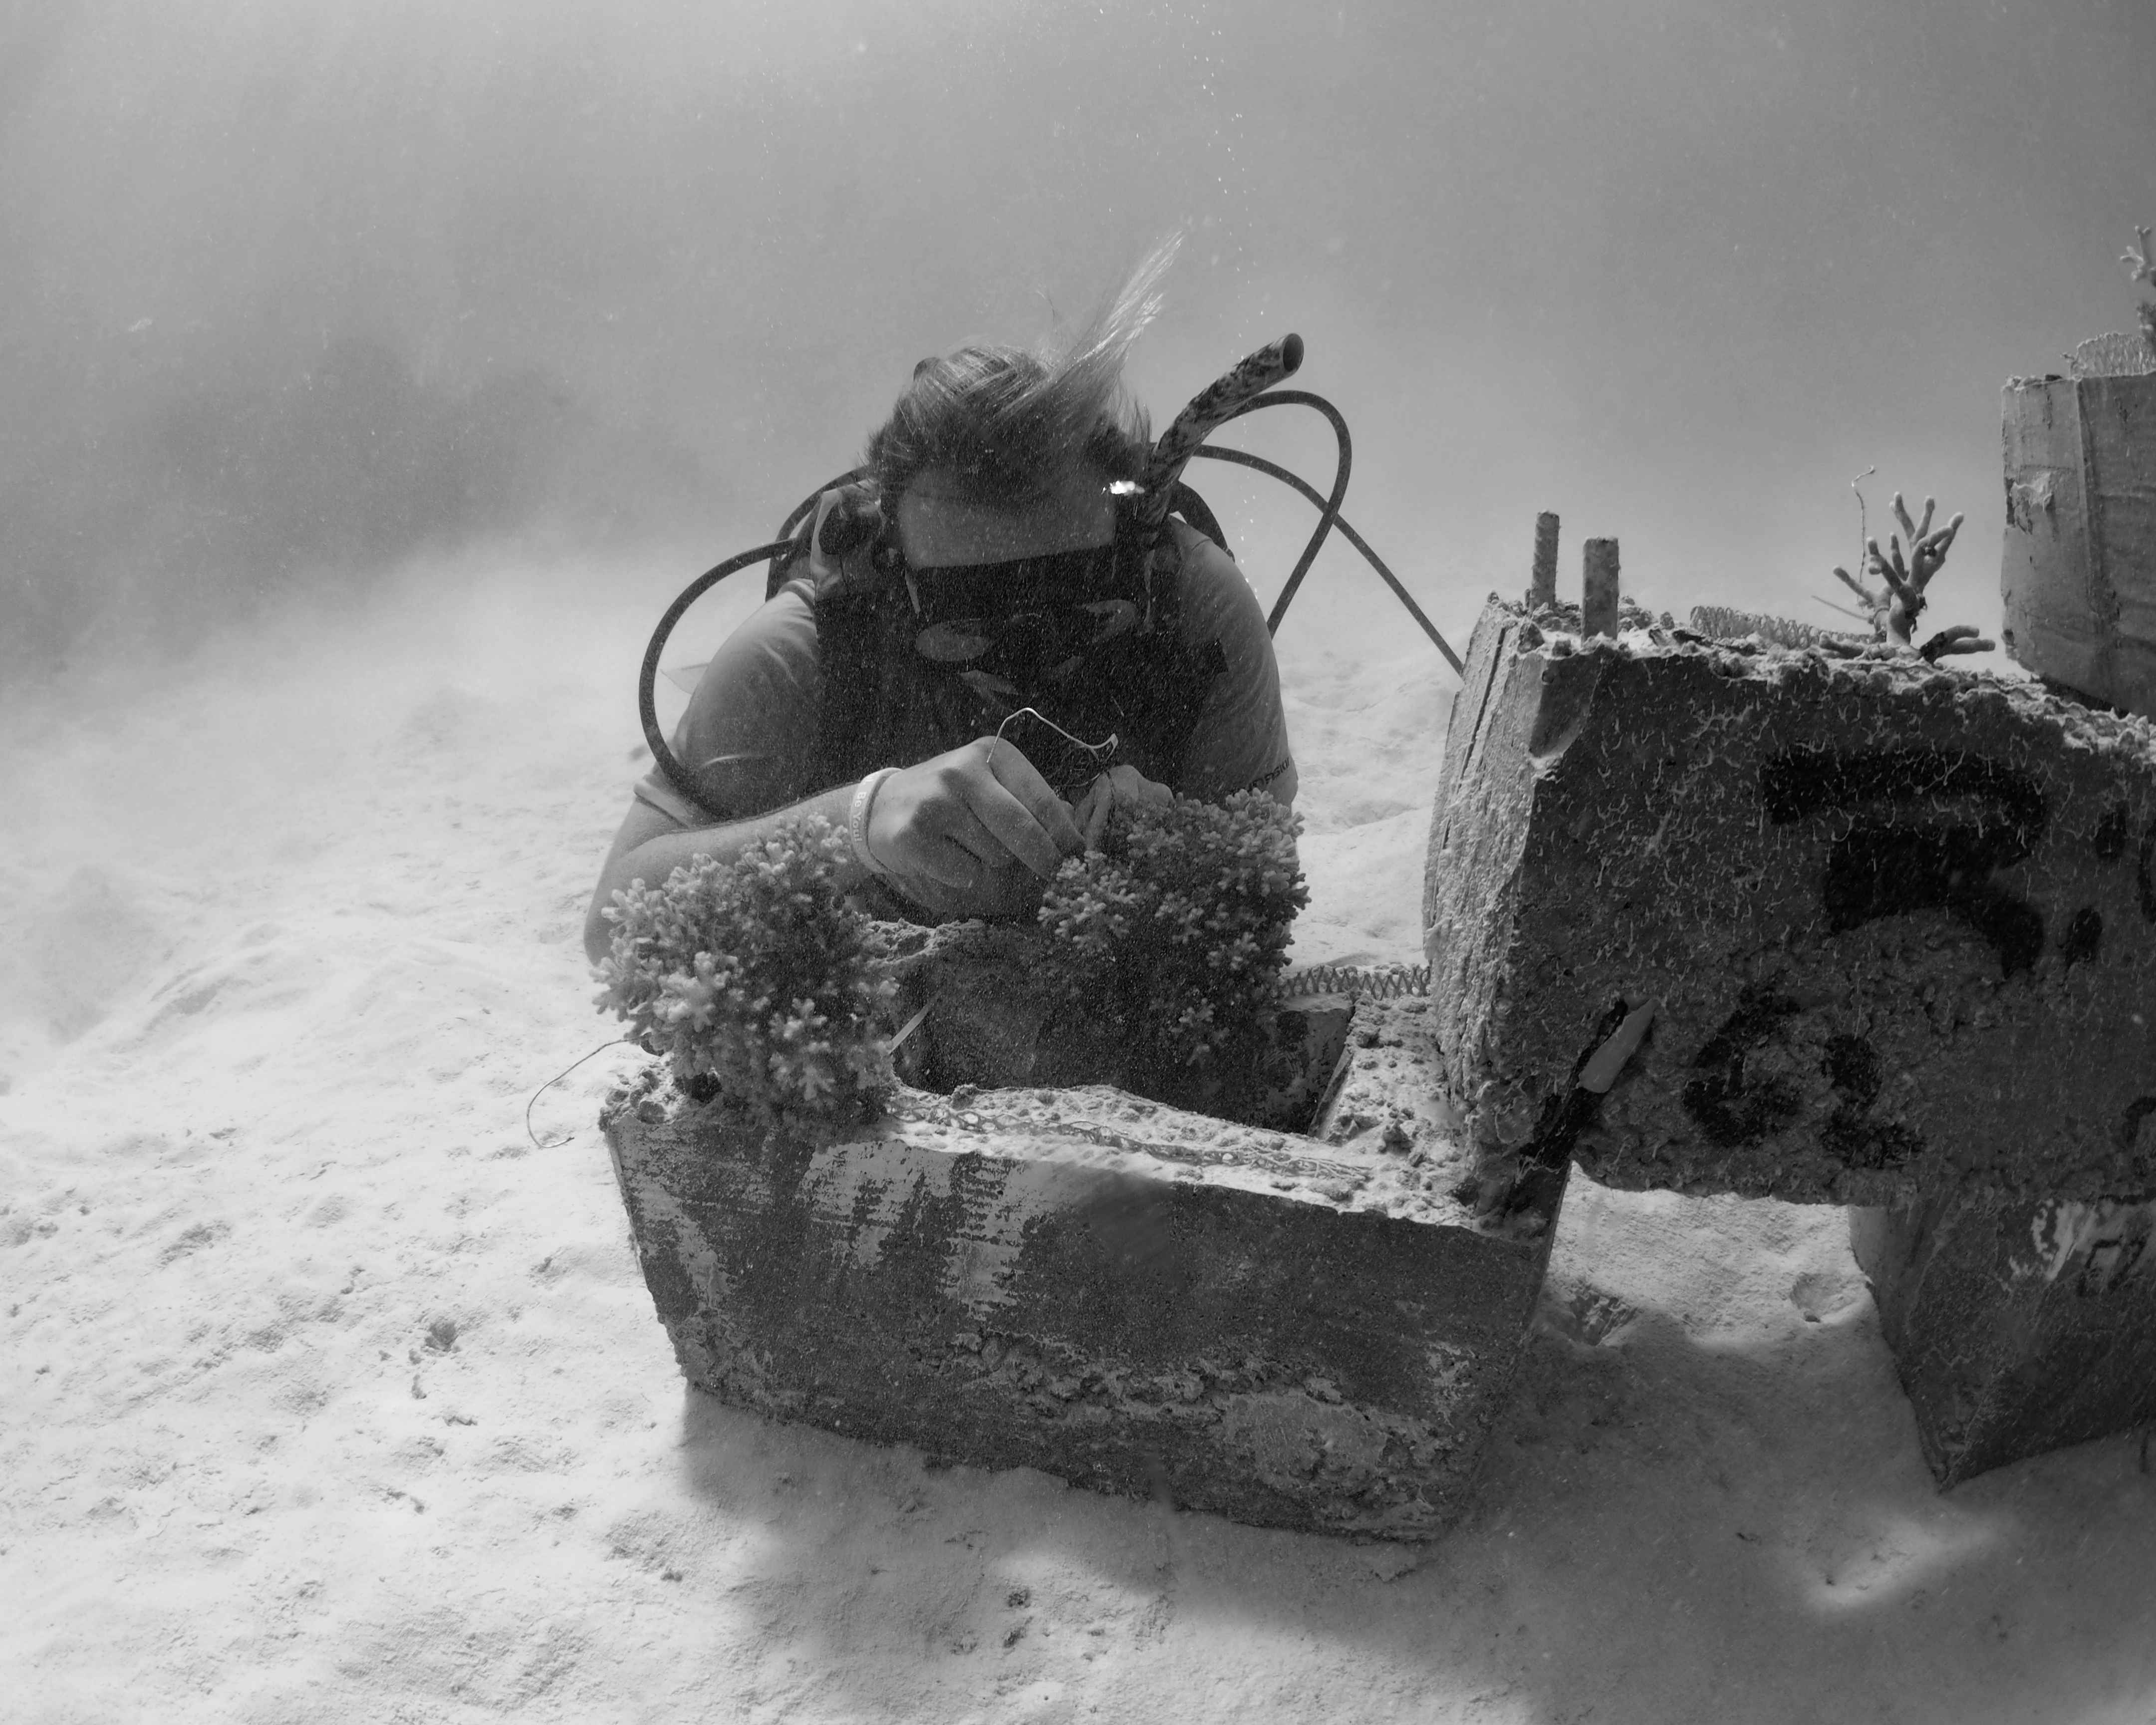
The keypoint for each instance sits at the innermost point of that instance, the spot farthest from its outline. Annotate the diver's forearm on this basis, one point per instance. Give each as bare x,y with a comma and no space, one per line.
657,856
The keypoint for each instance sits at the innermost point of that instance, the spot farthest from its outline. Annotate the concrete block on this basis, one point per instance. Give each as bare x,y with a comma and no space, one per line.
1002,1006
1900,920
1311,1031
2017,1327
2078,565
1390,1098
1389,1094
1140,1300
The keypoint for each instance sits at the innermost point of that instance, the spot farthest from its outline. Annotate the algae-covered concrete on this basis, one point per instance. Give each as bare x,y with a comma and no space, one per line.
1002,1004
996,1005
2078,575
2017,1327
1900,920
1135,1299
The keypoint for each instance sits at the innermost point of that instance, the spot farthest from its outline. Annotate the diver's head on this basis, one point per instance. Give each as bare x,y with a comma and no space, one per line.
1002,442
1000,470
1017,591
945,521
1014,433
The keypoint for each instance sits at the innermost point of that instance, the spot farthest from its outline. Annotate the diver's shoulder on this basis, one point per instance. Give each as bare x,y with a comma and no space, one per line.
788,614
1200,552
1214,587
778,638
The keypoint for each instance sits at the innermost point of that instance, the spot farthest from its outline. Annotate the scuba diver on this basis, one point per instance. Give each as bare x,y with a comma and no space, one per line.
978,644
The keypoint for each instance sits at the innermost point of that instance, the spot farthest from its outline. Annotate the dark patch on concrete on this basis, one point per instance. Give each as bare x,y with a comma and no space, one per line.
2084,936
1870,1146
1728,1110
2108,1265
1891,867
1815,780
1853,1068
1880,869
2129,1128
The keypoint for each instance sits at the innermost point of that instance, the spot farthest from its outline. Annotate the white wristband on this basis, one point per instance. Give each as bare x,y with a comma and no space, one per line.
857,818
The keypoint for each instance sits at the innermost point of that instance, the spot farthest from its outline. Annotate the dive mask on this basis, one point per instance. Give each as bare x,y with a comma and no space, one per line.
1026,622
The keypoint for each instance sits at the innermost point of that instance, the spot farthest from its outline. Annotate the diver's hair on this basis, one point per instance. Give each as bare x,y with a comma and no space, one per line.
1004,421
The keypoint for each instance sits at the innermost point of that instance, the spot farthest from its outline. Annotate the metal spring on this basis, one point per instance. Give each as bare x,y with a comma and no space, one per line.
1721,624
1389,984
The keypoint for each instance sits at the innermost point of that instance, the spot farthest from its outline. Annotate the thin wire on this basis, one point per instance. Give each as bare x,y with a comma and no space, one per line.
550,1084
1863,521
1095,750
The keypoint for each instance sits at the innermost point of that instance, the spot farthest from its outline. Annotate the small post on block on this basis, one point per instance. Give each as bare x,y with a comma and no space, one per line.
1598,599
1542,589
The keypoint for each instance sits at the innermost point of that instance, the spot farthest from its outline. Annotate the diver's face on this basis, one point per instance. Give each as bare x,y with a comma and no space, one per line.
940,528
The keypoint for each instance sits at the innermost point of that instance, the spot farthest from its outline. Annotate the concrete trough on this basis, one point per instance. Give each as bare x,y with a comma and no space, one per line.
1288,1332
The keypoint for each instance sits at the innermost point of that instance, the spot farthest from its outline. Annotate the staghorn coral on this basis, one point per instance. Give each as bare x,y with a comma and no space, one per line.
754,976
1180,924
1893,612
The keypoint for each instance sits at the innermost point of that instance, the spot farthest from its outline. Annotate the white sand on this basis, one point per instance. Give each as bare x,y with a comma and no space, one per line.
328,1397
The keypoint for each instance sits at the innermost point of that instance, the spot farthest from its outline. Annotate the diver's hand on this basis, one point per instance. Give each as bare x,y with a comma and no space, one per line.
972,832
1118,785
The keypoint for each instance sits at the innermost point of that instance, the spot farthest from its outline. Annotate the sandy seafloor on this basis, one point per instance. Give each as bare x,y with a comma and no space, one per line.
328,1397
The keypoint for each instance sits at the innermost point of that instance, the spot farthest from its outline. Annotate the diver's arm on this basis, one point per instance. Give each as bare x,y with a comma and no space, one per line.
651,845
965,834
1240,739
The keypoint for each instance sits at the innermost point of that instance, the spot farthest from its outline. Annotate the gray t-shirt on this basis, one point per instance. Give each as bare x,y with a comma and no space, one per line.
752,723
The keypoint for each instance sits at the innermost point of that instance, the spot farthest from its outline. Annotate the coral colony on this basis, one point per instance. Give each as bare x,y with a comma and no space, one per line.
1893,609
756,980
753,977
1180,927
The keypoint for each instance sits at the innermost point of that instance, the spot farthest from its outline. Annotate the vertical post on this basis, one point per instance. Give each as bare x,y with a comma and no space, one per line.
1542,586
1599,601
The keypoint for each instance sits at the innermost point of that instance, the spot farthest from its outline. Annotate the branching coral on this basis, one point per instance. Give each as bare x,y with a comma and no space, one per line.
1893,612
754,974
1182,920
